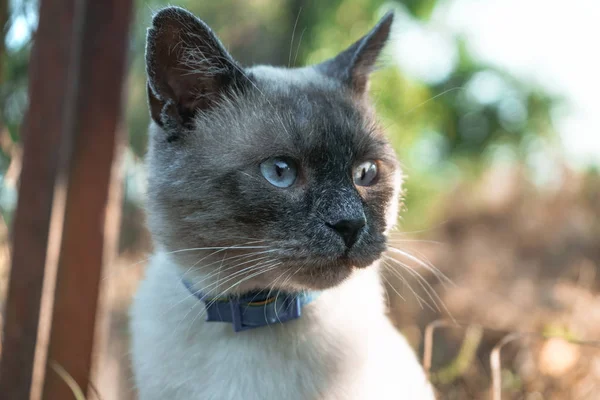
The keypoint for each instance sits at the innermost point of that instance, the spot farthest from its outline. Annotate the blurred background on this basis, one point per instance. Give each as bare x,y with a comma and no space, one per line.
492,108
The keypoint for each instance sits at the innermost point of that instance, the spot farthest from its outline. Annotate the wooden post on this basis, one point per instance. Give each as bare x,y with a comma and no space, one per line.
76,79
42,135
99,66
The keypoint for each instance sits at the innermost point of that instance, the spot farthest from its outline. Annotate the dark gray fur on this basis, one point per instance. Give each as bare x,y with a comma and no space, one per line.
215,122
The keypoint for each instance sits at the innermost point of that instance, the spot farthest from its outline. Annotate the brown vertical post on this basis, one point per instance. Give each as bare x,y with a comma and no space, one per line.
42,134
99,67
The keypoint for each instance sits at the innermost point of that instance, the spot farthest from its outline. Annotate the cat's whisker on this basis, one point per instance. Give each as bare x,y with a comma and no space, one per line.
433,98
393,288
425,264
427,288
442,278
290,276
397,240
217,273
277,295
249,176
420,300
218,251
240,256
263,269
398,231
232,247
220,268
217,284
233,276
425,285
241,247
292,41
195,292
298,48
385,291
269,265
288,279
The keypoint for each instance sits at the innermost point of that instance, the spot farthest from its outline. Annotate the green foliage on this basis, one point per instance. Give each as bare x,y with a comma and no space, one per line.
441,130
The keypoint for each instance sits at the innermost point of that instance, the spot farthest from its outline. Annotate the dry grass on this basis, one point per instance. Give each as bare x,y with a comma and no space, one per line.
522,260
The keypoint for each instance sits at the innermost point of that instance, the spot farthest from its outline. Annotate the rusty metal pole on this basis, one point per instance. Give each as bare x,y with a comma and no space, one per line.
42,136
99,69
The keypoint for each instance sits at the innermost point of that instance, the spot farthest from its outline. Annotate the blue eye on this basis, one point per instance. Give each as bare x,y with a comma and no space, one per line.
365,174
280,172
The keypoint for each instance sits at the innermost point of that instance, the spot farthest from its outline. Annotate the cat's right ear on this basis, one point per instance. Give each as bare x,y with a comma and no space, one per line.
188,68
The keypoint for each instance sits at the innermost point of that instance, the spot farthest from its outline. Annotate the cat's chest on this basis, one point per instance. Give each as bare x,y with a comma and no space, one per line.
267,367
338,350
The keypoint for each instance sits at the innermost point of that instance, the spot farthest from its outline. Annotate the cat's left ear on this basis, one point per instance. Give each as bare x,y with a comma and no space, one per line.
353,65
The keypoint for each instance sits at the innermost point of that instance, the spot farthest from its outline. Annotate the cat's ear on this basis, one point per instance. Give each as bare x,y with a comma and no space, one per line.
353,65
188,68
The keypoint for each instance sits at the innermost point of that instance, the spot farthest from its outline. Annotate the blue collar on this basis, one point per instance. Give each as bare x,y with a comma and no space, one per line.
254,309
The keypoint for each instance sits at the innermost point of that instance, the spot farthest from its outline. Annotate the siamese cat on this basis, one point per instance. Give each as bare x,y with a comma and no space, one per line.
271,192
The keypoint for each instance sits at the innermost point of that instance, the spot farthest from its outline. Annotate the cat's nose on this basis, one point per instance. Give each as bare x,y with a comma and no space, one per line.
349,229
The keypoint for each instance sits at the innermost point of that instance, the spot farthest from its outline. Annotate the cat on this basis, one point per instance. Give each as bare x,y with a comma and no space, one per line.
270,190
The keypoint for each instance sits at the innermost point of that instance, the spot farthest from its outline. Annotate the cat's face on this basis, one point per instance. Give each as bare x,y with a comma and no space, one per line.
281,175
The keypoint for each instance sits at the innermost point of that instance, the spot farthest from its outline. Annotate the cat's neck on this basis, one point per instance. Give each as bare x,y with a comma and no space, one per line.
343,346
359,296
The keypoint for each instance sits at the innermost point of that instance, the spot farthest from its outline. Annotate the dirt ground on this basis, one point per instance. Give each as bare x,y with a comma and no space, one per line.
520,259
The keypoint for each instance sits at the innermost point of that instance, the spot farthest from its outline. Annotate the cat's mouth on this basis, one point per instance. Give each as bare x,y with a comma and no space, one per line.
321,268
319,273
329,270
349,258
360,256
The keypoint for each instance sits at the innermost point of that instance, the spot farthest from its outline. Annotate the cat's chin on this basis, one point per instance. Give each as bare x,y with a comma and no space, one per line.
322,275
321,281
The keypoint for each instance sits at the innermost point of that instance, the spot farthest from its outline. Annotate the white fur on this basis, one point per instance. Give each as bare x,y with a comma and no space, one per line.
342,348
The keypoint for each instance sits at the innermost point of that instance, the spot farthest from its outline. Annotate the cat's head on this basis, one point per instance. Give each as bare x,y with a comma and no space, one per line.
281,176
